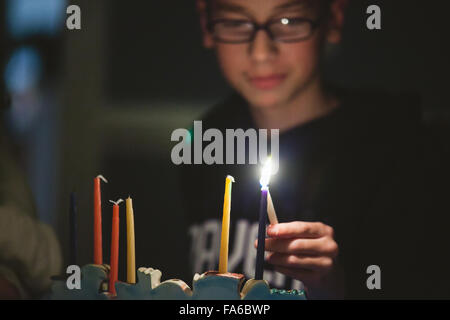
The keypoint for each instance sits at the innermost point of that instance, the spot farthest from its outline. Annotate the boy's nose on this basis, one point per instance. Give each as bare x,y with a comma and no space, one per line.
262,48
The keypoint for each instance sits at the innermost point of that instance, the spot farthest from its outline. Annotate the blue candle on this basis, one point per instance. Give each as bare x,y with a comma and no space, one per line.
259,270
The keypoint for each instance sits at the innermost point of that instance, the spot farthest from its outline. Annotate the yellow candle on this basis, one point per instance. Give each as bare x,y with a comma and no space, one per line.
223,260
131,259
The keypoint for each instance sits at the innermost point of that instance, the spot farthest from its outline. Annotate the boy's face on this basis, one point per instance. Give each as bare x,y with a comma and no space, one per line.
269,73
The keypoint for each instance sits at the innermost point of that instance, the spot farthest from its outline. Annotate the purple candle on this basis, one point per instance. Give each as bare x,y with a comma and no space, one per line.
265,178
259,270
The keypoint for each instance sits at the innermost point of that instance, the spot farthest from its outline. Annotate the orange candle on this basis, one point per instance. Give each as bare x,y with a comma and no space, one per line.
114,271
98,254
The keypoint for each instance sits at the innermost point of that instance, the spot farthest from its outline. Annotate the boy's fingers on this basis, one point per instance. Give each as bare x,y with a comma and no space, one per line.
299,229
320,246
294,261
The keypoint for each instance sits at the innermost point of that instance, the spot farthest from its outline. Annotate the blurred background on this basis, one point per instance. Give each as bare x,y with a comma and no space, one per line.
105,100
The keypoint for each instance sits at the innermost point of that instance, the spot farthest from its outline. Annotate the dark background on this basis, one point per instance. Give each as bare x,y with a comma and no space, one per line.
109,96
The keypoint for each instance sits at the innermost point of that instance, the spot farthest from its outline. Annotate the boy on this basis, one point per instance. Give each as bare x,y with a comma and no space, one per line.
348,162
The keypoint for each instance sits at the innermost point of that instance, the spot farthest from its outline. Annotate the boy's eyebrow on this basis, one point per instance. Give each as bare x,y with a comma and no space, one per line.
231,7
292,3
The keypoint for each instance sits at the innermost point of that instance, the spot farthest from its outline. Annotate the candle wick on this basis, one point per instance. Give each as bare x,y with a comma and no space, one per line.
231,178
116,202
102,178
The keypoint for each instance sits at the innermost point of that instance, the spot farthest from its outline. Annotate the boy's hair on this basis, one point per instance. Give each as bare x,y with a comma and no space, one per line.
322,5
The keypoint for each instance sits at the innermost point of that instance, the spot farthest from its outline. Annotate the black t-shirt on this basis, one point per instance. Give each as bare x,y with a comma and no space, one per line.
359,169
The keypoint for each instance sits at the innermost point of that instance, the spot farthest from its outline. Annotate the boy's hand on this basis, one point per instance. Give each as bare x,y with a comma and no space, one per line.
302,250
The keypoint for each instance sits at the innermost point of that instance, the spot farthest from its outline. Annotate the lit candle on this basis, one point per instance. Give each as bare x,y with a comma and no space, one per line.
114,264
73,229
265,178
223,259
98,254
131,258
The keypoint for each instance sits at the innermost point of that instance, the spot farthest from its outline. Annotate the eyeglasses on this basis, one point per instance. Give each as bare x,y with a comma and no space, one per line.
279,30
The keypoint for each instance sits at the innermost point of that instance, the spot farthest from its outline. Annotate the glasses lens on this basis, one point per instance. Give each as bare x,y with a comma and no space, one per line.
233,30
291,29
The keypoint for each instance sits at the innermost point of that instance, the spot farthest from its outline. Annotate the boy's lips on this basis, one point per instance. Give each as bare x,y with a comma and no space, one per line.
267,82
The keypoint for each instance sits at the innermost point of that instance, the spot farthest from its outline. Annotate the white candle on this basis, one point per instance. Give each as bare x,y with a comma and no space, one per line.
271,210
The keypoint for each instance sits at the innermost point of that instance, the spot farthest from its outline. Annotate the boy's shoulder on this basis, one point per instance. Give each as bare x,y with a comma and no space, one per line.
383,103
383,109
374,106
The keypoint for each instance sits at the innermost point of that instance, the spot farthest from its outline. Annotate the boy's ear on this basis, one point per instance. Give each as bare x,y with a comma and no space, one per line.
336,24
208,41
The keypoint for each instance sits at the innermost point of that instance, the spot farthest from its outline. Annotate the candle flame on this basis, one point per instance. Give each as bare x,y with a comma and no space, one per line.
266,172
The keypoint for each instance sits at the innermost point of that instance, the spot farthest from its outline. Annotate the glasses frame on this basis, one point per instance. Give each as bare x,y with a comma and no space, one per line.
264,27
